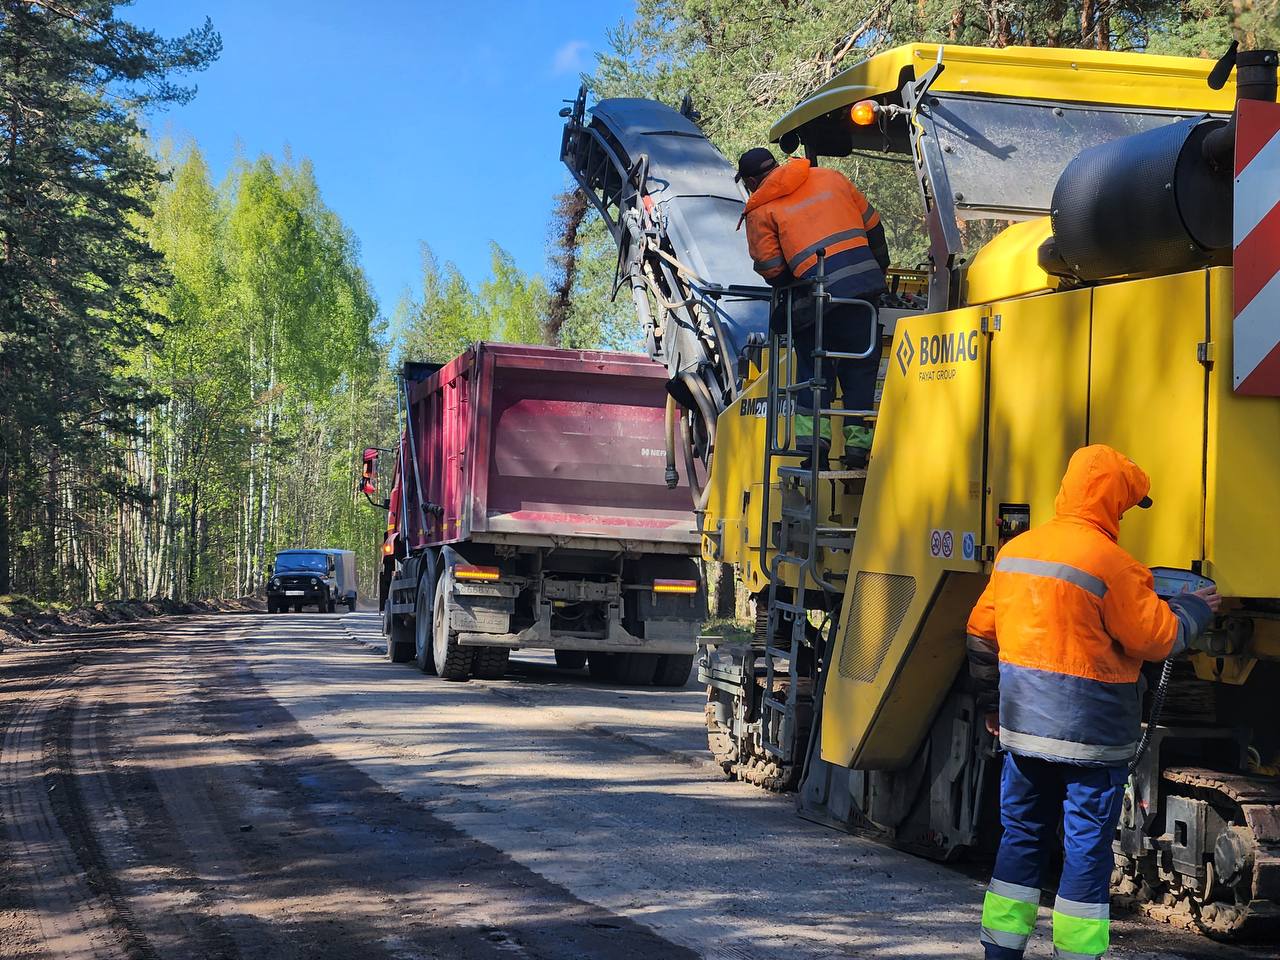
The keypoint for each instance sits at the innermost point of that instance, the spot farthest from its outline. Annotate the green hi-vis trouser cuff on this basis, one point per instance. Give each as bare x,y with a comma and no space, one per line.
1009,914
1081,931
804,429
858,435
855,434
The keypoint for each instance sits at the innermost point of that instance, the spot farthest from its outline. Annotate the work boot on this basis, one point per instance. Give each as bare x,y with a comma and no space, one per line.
855,458
805,446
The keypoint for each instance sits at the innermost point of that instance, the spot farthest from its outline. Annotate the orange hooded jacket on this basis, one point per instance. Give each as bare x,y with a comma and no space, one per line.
1070,616
800,209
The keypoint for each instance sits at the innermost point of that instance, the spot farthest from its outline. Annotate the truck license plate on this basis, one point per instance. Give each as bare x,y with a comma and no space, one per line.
293,593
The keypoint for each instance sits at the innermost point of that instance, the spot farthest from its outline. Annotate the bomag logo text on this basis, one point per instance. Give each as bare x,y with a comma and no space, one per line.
938,357
759,407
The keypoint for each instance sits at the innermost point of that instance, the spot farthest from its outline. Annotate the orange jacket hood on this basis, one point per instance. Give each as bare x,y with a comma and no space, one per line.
1099,486
785,179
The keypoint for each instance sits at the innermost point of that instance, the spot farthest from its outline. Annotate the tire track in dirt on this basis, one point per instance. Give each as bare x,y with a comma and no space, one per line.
58,907
167,895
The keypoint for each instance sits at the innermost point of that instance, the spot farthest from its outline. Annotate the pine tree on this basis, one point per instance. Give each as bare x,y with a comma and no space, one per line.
75,178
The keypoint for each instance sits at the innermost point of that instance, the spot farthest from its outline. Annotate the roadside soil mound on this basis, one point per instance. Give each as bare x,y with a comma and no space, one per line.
23,621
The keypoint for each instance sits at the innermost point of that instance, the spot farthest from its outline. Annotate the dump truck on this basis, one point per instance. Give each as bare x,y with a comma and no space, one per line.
1101,268
529,508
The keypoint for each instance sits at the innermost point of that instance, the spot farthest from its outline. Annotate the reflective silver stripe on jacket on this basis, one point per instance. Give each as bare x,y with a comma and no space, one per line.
1066,749
1060,954
801,256
770,264
852,270
1056,571
1085,911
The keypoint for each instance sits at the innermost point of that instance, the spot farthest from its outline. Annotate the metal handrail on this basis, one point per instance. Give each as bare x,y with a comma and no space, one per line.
778,715
817,383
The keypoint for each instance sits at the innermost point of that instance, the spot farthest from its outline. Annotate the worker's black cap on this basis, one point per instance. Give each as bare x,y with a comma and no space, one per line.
756,161
1145,503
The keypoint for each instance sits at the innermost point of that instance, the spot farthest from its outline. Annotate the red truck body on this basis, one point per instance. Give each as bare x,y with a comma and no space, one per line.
542,445
530,508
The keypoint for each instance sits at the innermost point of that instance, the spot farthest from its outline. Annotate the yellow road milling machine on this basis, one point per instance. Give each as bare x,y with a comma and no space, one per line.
1104,247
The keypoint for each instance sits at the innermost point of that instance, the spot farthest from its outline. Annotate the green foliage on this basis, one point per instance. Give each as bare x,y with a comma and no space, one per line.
597,320
447,315
269,370
75,178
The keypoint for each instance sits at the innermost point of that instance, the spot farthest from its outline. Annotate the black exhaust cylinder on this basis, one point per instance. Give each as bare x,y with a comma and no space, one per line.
1144,204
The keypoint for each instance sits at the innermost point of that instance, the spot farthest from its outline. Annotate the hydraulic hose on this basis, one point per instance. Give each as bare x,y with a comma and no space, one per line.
1157,707
700,494
672,412
702,397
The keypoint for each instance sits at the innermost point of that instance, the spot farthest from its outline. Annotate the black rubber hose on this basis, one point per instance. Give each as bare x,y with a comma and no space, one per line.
1157,707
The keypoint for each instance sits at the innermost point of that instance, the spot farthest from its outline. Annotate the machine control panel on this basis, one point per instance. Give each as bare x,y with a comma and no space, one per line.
1170,581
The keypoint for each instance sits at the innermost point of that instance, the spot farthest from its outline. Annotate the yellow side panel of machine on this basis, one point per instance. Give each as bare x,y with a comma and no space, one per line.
734,524
923,494
1039,400
1147,400
731,525
1243,469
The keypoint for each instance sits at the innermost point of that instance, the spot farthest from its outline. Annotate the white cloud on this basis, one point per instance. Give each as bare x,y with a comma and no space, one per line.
569,57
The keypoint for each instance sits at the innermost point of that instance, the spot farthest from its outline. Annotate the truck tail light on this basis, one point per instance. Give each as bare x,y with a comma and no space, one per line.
469,572
675,586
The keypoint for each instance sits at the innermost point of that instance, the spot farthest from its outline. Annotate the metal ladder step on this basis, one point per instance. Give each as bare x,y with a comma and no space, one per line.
804,473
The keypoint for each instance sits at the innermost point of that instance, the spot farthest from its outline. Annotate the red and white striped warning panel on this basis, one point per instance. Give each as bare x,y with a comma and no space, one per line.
1256,238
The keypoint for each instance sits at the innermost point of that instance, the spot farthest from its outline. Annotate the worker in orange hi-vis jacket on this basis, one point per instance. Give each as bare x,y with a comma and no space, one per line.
794,211
1056,643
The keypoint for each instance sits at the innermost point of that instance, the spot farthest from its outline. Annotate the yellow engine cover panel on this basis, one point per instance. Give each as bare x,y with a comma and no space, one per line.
1242,472
1039,400
1147,401
923,495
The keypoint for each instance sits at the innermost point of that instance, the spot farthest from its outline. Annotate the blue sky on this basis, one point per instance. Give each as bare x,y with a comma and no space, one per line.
425,121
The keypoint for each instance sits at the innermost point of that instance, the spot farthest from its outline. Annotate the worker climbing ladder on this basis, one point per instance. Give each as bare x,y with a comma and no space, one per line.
786,707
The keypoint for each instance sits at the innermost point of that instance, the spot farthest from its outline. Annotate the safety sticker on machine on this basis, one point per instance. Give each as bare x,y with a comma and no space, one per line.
941,544
969,546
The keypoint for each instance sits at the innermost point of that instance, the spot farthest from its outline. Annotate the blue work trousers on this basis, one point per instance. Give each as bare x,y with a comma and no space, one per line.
1034,796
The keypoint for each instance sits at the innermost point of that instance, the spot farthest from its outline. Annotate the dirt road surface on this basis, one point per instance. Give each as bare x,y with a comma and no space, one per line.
256,786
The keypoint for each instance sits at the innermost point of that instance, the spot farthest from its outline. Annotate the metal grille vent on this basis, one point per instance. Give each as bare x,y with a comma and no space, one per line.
880,603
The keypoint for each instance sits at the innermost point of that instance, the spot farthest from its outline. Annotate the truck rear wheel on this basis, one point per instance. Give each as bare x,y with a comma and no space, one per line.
571,659
636,669
399,637
673,670
422,639
453,661
491,662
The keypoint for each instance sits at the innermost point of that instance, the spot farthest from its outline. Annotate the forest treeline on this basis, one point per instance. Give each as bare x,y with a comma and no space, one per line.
190,360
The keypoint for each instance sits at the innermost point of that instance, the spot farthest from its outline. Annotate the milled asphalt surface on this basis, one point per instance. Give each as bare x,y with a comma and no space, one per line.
251,786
